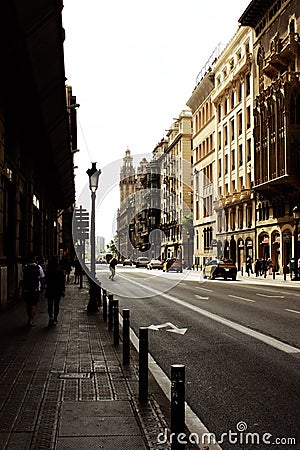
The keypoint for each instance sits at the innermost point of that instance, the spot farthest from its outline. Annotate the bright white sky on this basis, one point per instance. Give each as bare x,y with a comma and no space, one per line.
133,66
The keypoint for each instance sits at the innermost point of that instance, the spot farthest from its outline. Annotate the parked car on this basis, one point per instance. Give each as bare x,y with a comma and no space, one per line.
223,268
142,261
127,262
172,265
155,264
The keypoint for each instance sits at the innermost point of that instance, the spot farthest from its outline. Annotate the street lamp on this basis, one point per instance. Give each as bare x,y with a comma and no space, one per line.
92,306
296,215
93,174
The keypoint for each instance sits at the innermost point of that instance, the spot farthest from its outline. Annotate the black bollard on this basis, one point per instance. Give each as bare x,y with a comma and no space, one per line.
116,322
92,306
177,405
143,364
273,273
104,301
110,312
126,337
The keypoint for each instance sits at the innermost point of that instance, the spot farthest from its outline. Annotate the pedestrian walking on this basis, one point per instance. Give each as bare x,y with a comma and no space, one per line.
77,271
66,266
31,284
249,265
264,267
112,267
270,266
257,267
55,288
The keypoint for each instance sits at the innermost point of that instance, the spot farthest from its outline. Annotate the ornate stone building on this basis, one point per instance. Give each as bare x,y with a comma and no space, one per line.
233,99
203,164
276,57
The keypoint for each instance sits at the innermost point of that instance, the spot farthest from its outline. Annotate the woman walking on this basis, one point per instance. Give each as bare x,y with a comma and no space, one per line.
55,288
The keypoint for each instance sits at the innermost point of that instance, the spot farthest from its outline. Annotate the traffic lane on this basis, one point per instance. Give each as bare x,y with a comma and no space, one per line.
230,377
138,282
271,315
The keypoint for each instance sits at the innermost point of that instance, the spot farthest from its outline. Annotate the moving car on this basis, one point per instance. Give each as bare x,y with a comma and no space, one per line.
155,264
223,268
142,261
172,265
127,262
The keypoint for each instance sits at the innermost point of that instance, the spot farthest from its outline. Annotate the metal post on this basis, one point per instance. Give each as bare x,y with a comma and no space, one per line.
274,273
93,265
296,274
92,304
110,312
177,405
116,321
126,337
143,364
104,300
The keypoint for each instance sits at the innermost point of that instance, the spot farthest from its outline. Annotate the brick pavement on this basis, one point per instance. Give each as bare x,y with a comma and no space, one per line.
64,387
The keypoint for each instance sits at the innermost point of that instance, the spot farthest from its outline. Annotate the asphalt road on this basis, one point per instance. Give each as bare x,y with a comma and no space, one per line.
241,351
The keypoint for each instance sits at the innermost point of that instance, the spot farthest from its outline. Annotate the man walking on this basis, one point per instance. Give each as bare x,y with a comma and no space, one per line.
112,267
32,283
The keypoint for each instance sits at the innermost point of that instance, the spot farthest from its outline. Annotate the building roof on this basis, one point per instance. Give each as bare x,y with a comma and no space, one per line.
255,11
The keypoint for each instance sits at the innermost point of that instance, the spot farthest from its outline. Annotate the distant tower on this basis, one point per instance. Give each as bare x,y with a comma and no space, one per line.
127,177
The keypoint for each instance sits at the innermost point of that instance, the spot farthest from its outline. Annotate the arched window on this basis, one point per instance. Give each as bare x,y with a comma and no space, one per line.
295,108
292,26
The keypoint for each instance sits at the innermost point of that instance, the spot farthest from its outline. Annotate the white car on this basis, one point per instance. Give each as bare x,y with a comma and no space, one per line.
142,261
155,264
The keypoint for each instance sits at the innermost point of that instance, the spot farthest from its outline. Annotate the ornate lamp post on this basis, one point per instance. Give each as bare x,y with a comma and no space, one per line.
296,214
93,174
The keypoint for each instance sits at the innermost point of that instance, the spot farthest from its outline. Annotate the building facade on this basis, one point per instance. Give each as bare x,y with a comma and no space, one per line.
177,200
36,157
234,200
203,138
276,56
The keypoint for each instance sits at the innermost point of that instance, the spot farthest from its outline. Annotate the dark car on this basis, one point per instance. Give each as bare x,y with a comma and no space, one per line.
172,265
142,261
220,268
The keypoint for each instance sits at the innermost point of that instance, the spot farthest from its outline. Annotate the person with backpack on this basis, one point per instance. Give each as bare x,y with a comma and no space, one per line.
112,267
55,288
32,283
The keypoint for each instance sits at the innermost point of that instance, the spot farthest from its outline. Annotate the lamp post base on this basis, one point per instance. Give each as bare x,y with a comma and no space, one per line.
95,297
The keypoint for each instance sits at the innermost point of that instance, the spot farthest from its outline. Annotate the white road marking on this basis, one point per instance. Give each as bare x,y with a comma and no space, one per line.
169,326
242,298
204,289
201,298
270,296
293,311
192,421
272,342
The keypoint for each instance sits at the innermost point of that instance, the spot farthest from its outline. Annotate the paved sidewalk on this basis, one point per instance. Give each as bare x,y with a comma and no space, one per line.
64,387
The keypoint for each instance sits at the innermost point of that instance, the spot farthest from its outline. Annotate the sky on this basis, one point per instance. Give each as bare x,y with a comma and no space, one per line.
133,66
